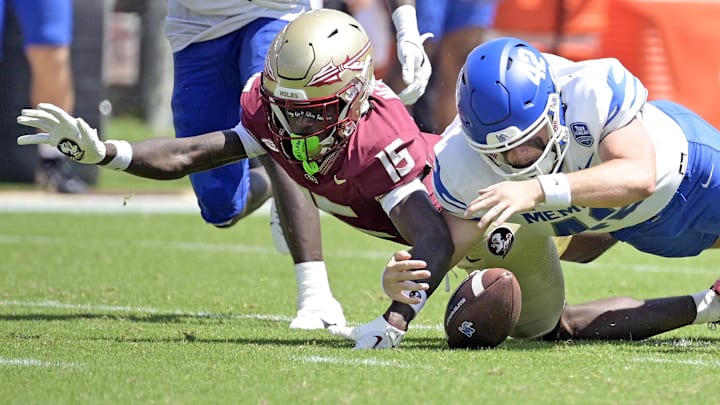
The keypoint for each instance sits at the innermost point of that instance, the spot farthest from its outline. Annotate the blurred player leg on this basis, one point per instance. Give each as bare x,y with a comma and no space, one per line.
463,26
47,33
584,247
631,319
205,98
458,27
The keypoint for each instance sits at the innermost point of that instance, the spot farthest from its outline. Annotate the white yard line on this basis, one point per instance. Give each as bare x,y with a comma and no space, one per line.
356,362
156,311
700,363
115,203
35,363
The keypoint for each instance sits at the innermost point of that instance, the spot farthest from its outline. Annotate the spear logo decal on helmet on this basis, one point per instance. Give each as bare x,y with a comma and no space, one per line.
330,73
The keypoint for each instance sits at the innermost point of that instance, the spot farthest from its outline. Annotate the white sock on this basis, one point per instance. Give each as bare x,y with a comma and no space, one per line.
708,307
312,280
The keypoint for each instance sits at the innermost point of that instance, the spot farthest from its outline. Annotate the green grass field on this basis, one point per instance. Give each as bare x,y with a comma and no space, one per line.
126,307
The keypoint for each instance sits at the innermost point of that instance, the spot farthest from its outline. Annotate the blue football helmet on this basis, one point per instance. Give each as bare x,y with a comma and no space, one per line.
505,95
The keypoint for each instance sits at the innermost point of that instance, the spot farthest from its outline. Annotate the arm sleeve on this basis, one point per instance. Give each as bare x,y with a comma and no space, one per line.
251,145
391,199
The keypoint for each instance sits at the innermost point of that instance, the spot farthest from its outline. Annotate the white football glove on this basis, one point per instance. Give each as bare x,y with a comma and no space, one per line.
378,334
416,68
72,136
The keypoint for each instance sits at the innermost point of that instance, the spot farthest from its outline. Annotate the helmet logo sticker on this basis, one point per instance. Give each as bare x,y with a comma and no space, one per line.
581,133
532,66
330,73
500,241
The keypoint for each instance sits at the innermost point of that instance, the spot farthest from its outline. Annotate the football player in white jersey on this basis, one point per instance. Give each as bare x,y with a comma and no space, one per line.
217,46
563,148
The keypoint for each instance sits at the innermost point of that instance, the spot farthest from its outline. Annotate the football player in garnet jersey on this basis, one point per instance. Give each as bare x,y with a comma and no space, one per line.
318,112
217,46
567,148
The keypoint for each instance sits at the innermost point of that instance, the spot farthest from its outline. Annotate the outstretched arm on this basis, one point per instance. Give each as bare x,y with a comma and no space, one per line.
155,158
171,158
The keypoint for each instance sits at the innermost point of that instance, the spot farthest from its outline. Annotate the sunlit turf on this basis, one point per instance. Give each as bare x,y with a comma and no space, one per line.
164,309
161,308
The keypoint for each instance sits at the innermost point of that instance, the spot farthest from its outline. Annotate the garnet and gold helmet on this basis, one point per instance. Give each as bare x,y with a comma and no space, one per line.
315,86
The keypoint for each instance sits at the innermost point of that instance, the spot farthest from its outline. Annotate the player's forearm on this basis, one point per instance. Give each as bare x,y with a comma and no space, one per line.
170,158
437,251
612,184
425,229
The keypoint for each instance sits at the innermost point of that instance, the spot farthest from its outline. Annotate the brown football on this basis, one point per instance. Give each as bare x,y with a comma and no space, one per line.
483,310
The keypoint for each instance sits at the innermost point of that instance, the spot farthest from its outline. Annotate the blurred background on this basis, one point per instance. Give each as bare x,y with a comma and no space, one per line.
122,63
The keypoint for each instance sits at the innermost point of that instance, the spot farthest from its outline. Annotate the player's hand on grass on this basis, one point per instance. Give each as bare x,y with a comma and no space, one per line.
400,275
71,136
378,334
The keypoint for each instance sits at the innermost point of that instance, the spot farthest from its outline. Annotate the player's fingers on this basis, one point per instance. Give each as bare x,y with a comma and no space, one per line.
426,36
407,265
33,139
56,112
400,277
408,71
35,123
413,286
85,130
37,119
505,215
418,274
30,112
487,220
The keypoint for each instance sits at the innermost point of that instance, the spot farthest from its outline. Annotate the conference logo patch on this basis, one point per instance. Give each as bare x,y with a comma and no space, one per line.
581,133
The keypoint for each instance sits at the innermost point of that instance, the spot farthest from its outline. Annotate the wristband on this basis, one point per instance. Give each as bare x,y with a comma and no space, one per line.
405,21
123,155
556,188
416,294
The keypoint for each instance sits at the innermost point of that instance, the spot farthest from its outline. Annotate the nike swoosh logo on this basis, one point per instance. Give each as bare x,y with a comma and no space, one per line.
339,181
378,340
707,182
473,260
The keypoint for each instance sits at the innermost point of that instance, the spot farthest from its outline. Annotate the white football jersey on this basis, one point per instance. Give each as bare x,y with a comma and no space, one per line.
599,96
190,21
